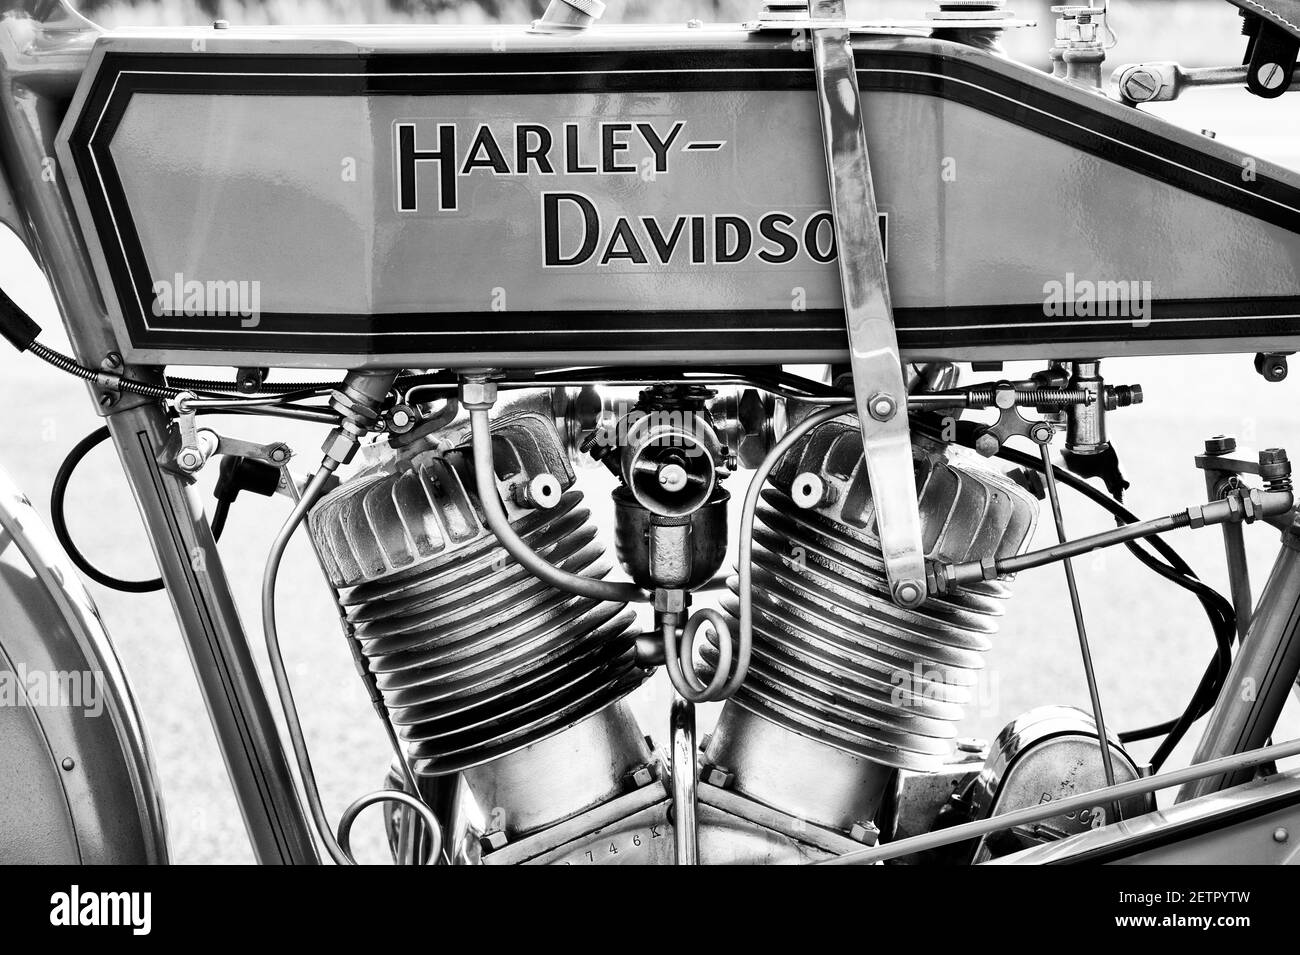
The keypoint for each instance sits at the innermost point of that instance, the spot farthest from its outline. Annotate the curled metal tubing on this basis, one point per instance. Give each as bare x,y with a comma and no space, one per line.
499,524
1037,813
389,795
684,679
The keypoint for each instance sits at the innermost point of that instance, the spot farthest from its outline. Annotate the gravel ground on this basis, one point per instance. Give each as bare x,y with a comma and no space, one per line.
1150,640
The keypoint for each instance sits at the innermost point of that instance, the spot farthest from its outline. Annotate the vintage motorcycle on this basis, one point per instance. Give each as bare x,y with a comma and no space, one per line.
543,249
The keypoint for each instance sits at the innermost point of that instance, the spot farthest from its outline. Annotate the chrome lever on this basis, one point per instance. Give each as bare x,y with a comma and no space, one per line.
879,389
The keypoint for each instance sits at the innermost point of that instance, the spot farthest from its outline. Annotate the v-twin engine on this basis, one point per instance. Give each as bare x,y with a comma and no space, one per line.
521,689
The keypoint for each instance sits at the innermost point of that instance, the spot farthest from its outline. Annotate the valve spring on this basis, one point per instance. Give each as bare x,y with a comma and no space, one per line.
835,659
474,657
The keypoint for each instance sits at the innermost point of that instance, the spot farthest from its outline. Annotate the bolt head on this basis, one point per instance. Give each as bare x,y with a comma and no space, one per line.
909,593
1273,456
491,841
987,445
865,833
639,777
721,778
882,406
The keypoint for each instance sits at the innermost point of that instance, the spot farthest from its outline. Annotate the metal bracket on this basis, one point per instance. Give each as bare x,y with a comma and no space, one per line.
190,446
878,385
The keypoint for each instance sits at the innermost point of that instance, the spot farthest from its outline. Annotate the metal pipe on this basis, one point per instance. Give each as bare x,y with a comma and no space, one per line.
685,783
1263,503
497,521
1262,673
1056,807
1089,672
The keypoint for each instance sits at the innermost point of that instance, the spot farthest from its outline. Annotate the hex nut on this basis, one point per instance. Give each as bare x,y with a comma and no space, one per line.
987,445
340,446
882,406
719,777
1220,444
669,600
477,395
639,777
493,840
865,833
1273,456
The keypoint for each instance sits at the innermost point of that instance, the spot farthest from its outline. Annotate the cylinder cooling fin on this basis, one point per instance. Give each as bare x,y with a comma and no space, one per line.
835,659
474,657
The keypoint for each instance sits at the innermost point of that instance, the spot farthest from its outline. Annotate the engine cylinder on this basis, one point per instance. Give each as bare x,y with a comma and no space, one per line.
836,662
474,657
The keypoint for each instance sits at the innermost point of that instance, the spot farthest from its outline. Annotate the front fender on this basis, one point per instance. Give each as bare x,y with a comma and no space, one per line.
77,782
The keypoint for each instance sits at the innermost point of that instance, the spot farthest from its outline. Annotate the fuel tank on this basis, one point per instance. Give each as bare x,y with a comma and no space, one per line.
490,196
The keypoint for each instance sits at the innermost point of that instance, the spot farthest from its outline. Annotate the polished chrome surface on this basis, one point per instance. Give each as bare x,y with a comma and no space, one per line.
834,658
878,387
1046,755
801,776
474,657
593,761
685,780
79,784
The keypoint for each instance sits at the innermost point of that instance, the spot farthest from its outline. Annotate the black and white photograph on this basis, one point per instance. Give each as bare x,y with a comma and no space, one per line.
454,433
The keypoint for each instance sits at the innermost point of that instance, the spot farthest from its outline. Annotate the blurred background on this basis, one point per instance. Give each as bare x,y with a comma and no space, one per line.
1150,640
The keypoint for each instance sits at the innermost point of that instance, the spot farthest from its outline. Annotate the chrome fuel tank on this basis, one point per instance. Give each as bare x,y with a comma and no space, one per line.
489,196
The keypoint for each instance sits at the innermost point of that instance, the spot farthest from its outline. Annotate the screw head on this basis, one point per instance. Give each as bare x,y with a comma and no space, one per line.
882,406
1141,86
1270,75
68,763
